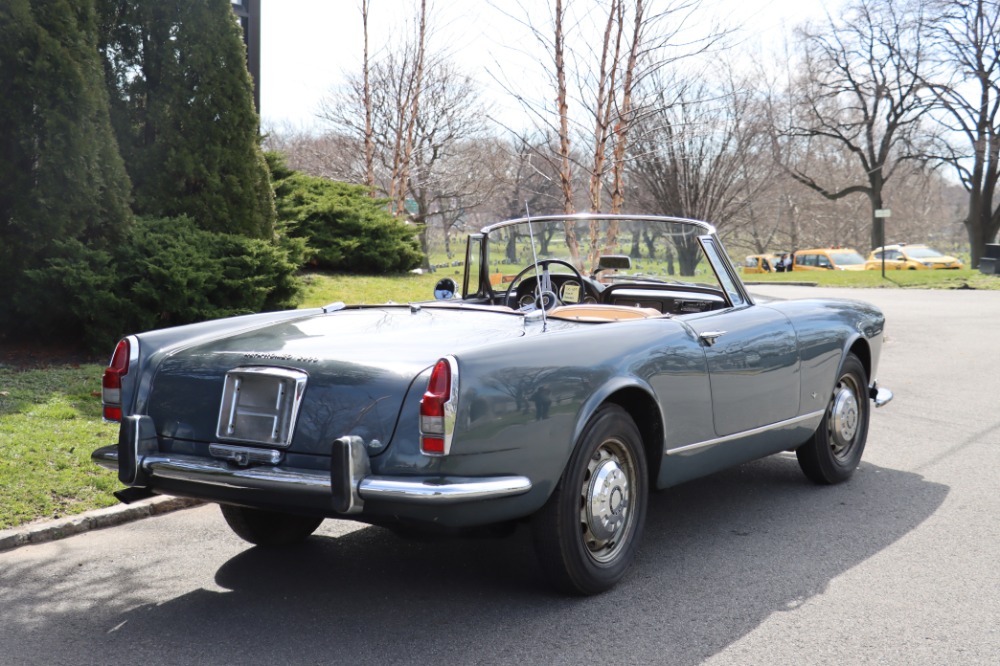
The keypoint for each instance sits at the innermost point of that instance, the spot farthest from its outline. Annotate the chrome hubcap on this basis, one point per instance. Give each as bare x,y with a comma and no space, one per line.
607,498
844,418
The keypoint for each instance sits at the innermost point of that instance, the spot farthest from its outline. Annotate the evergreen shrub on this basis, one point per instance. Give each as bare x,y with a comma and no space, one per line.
166,273
345,230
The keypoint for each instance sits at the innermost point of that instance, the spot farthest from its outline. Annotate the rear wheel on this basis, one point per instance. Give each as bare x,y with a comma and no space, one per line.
834,451
268,528
588,533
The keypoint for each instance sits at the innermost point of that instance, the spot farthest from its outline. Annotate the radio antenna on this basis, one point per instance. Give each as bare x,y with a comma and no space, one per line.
539,287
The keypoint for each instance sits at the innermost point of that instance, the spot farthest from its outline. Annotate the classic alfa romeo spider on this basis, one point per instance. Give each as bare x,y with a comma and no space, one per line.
582,362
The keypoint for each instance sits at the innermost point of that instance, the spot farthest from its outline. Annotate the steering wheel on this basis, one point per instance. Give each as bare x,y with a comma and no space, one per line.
545,296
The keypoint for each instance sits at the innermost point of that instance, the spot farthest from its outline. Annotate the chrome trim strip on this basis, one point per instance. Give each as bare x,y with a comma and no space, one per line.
746,433
439,491
704,226
414,490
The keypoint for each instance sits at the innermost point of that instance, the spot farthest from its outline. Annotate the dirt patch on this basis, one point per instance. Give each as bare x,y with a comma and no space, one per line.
28,356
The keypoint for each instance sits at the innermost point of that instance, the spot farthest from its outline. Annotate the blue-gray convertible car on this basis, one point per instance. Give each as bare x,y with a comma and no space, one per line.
581,362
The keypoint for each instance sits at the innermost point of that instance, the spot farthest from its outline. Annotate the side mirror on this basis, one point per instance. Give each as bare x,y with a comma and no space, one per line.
445,288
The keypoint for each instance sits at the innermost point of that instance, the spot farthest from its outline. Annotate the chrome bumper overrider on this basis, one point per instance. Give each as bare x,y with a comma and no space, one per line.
416,490
880,396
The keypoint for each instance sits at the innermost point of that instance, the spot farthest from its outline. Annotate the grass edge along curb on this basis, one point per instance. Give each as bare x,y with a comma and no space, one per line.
53,530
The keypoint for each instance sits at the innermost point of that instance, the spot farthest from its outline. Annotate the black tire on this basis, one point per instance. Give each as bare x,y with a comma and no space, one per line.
586,539
834,451
268,528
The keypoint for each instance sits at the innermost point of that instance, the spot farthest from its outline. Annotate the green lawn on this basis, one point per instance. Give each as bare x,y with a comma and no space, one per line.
50,418
50,421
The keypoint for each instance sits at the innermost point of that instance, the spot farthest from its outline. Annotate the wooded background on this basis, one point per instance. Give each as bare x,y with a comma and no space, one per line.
652,107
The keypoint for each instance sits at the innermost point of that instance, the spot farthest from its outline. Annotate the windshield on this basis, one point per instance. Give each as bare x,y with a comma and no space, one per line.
610,250
922,253
846,258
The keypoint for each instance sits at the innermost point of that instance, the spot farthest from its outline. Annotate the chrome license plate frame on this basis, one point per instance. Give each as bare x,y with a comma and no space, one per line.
260,405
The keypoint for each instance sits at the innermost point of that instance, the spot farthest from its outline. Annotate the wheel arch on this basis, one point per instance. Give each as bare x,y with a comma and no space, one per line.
860,348
645,412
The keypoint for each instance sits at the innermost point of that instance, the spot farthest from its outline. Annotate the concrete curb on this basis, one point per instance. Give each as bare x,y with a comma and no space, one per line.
32,533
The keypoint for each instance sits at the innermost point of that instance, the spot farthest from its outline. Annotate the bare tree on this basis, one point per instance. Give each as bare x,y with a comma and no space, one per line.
600,53
445,178
367,97
861,89
967,36
701,151
327,155
410,110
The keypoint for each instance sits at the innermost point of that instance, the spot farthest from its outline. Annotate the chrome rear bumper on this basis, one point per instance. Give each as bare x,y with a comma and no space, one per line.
353,486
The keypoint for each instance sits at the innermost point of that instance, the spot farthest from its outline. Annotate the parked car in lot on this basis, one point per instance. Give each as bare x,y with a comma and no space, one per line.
910,257
829,258
595,369
759,263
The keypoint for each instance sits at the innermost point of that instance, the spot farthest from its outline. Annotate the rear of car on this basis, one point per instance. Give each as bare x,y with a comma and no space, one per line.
314,414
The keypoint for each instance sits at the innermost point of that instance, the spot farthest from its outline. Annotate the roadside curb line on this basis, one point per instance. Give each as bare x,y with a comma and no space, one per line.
780,284
111,516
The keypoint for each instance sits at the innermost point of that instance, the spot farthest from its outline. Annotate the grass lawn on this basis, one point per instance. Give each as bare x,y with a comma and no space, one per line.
50,418
50,421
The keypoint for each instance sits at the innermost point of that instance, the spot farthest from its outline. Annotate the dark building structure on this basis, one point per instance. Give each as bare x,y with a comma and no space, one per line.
248,14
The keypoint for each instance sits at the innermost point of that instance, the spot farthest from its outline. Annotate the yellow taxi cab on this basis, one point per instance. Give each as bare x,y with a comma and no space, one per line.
829,258
760,263
910,257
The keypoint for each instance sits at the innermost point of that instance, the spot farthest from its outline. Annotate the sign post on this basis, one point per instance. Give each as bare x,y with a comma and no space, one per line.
882,213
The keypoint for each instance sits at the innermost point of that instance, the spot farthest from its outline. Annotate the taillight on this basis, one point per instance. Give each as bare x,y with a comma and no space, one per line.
111,393
437,408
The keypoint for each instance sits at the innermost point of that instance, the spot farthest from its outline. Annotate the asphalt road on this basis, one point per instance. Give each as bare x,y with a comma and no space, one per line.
751,566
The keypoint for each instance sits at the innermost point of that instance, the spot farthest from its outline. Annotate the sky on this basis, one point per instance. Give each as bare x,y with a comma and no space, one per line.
308,45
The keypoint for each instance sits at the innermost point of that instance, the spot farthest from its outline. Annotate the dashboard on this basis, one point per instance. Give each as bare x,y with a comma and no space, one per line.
666,299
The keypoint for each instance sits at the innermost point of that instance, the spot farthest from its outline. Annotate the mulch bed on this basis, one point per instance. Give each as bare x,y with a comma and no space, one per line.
31,356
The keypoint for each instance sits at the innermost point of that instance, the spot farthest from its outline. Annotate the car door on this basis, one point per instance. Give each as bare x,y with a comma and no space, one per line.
895,260
752,356
753,363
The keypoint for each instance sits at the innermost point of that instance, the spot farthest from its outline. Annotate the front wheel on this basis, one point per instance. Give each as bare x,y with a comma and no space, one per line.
588,532
834,451
268,528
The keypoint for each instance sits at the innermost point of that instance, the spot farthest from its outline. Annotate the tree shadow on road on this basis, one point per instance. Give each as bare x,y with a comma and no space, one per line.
720,556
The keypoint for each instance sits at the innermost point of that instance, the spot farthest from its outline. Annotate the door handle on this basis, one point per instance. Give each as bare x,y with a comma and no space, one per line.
709,337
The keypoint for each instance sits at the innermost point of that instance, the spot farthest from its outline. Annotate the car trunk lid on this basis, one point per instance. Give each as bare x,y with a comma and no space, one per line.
355,367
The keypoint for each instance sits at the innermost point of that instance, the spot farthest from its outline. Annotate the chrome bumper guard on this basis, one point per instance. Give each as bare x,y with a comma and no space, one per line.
880,396
348,485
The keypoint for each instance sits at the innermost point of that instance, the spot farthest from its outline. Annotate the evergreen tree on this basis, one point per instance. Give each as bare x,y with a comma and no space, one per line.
343,227
62,180
182,107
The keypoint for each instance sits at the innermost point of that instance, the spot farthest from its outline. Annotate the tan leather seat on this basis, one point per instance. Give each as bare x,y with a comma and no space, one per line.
596,312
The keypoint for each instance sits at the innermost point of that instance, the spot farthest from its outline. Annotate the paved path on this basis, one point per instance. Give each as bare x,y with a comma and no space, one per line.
750,566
